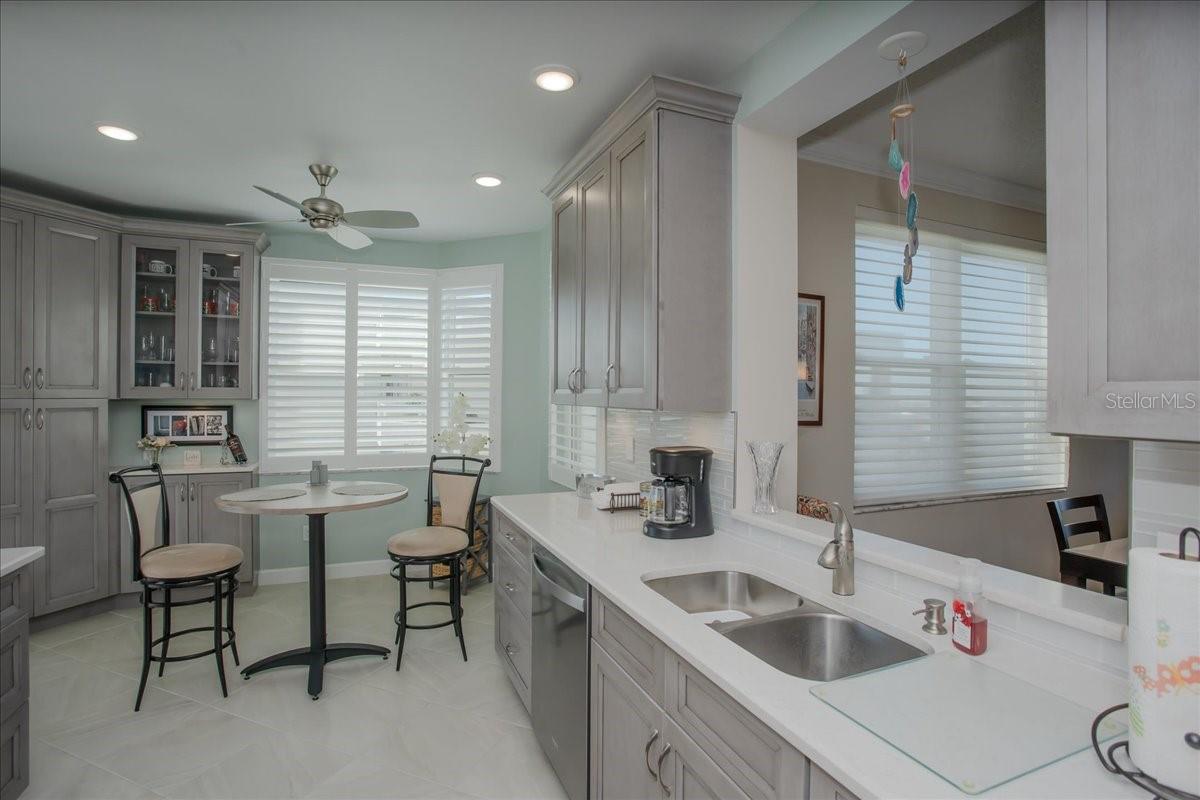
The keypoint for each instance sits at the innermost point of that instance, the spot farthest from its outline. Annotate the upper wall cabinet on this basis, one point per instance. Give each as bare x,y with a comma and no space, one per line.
642,262
57,280
186,331
1123,201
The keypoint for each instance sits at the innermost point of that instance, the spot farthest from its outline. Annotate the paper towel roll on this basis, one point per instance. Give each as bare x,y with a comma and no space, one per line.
1164,663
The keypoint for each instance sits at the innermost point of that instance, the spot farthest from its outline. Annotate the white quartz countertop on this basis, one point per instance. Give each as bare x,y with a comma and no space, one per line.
13,558
611,554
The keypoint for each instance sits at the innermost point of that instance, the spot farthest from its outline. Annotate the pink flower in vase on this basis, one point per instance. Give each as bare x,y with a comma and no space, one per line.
905,180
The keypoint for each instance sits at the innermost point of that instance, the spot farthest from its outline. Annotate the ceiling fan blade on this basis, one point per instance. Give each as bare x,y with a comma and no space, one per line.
283,199
381,219
264,222
348,237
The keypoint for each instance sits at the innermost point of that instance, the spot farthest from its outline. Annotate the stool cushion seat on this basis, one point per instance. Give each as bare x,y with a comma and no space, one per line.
428,542
183,561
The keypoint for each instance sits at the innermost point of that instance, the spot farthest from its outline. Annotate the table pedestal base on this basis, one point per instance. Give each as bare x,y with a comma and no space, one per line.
318,653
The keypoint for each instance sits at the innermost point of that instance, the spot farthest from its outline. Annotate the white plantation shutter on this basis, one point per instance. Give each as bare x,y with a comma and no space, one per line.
360,361
304,368
576,436
950,394
469,348
393,369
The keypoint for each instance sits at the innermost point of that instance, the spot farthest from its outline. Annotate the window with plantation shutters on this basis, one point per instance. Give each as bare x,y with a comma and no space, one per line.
360,362
469,349
576,442
950,394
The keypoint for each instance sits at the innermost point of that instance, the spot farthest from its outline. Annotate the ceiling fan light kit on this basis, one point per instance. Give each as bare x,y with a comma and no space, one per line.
325,214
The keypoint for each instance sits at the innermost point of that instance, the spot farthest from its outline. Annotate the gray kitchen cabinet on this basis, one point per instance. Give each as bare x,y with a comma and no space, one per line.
514,597
185,331
73,279
595,234
626,731
662,164
16,473
689,774
14,682
154,327
823,787
565,293
16,302
70,502
1123,197
209,524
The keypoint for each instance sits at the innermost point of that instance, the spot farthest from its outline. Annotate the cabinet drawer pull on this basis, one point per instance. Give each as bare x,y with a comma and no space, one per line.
40,379
41,419
192,380
510,588
28,419
661,757
607,372
650,744
192,494
510,537
27,378
182,493
509,650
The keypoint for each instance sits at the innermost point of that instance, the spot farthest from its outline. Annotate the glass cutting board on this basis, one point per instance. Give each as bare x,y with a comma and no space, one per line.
972,725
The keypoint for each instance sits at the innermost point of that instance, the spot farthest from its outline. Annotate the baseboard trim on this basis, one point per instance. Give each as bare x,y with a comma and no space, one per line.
349,569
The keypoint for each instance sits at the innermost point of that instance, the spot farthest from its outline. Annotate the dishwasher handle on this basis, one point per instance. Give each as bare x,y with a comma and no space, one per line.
562,595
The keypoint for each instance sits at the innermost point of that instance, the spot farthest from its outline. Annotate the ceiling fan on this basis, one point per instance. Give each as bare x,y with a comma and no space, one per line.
325,214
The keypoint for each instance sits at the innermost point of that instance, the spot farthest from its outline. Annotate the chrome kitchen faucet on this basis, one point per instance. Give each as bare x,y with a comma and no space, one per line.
838,555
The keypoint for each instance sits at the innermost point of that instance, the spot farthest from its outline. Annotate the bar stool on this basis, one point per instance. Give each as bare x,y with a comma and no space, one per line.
446,544
165,568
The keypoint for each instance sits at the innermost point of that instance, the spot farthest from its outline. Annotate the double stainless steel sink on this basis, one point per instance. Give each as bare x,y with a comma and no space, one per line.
789,632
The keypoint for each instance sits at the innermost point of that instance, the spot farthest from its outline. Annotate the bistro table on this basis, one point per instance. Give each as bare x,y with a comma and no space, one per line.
315,502
1107,562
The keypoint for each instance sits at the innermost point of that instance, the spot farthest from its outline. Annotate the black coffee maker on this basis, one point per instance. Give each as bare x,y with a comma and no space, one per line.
679,505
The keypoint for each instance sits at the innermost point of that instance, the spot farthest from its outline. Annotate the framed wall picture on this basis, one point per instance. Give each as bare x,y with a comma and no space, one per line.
810,358
202,425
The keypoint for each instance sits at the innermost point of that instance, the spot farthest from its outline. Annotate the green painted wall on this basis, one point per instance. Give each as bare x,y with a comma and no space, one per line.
361,535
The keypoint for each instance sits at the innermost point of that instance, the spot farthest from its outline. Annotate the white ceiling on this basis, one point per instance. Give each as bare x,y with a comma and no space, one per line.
980,119
408,100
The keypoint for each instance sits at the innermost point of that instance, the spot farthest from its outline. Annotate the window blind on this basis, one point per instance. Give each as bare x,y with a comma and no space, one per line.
469,348
305,368
576,434
950,394
393,369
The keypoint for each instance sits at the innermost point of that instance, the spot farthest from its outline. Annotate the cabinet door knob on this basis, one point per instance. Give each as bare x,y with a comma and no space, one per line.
510,650
662,757
510,588
650,744
41,419
27,378
28,419
40,378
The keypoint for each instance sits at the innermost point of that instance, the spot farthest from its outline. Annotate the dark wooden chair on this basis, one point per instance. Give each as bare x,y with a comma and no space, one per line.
163,567
1064,531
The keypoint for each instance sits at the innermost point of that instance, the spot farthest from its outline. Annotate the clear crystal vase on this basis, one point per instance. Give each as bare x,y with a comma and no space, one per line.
765,456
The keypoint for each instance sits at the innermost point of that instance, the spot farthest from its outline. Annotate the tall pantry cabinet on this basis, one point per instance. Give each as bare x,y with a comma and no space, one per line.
58,308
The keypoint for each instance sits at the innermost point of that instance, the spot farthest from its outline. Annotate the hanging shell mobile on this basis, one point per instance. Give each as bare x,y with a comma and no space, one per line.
900,160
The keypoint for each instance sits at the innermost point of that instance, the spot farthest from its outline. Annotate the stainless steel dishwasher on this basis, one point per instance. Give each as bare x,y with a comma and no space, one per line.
559,682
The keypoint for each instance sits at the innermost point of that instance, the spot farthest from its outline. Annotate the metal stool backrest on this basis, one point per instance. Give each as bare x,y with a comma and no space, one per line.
456,489
146,509
1063,531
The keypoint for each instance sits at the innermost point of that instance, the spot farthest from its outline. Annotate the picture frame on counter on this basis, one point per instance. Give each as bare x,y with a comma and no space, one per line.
810,358
188,425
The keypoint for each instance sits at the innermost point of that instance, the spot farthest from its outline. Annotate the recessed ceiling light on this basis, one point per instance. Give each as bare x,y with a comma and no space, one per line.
116,132
487,180
555,77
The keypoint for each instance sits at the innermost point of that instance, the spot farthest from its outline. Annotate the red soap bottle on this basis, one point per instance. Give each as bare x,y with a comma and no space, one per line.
969,625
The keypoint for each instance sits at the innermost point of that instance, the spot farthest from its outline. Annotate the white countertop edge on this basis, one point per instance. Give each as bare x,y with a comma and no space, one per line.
199,469
1088,611
820,732
13,558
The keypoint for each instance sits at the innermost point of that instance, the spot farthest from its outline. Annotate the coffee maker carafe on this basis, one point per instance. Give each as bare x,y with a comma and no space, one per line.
680,506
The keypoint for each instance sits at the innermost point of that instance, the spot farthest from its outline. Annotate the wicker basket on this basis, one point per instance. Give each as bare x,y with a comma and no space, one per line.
474,568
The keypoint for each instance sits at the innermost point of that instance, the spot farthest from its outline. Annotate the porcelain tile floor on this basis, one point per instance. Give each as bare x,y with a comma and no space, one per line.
438,728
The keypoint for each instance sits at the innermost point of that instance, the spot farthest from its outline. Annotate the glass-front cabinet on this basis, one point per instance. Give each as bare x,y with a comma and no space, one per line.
186,332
